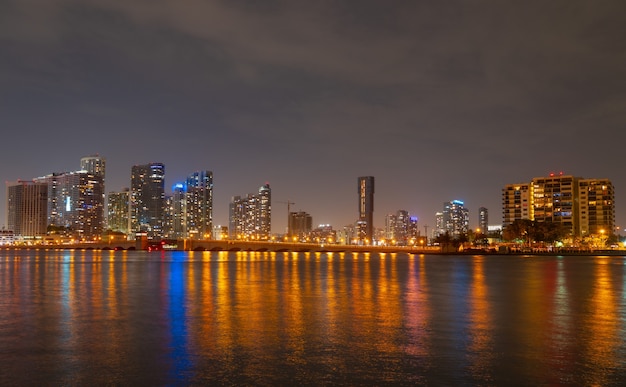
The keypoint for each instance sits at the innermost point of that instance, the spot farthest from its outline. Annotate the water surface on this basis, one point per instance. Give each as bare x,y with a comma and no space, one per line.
180,318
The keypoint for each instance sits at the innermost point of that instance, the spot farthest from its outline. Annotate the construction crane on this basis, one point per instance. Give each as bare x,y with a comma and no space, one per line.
288,203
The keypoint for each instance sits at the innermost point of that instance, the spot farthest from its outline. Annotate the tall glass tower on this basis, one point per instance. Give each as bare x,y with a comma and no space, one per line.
147,199
366,209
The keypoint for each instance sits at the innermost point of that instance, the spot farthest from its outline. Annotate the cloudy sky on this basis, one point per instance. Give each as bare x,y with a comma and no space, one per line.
439,100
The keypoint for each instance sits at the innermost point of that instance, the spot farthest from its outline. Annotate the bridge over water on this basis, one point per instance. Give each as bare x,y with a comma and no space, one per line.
228,245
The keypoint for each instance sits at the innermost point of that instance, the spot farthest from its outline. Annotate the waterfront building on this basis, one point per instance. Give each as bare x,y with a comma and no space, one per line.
365,223
118,211
414,231
400,228
75,203
300,224
198,208
439,225
455,218
324,233
390,226
483,220
27,203
582,206
250,217
7,237
147,199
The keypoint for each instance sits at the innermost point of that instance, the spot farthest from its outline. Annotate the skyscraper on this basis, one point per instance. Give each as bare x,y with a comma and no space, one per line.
300,224
198,212
27,208
455,218
118,207
147,196
483,219
365,223
94,165
76,203
251,217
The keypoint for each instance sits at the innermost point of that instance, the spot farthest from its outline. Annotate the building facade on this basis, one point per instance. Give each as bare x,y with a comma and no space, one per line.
455,218
118,211
300,224
250,217
76,203
582,206
27,204
483,220
365,223
147,199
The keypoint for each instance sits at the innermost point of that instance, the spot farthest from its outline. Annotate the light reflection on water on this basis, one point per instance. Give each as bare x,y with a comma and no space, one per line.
89,317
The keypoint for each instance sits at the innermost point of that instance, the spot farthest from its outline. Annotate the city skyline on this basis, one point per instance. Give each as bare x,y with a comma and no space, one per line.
437,102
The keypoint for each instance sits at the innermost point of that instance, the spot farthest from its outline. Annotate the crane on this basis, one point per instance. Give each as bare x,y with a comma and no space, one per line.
288,203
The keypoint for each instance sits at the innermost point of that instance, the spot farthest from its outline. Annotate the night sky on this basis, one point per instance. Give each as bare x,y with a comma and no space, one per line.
439,100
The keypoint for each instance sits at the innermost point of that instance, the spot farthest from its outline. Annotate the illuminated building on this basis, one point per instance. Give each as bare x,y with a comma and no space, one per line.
27,203
455,218
94,165
324,233
400,227
300,224
75,203
439,226
483,219
198,211
118,209
189,211
365,223
147,199
516,203
582,206
250,217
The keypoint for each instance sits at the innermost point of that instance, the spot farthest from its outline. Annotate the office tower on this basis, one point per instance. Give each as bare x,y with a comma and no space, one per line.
27,203
198,211
365,223
300,224
118,211
147,199
75,203
582,206
455,218
483,219
250,217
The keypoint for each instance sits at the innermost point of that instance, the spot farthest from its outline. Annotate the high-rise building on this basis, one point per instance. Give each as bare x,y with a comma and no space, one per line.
27,203
300,224
483,219
582,206
94,165
147,199
118,210
365,223
455,218
251,217
76,203
198,211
